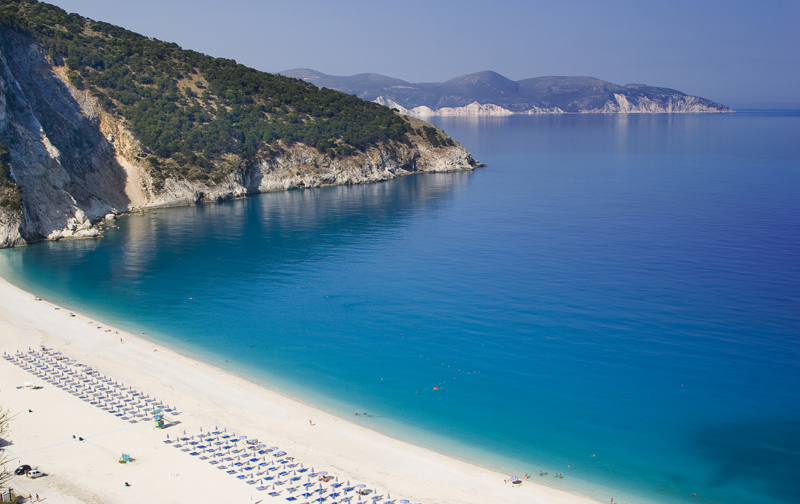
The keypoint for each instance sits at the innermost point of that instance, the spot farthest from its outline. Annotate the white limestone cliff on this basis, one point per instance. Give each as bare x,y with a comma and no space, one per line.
621,105
474,109
84,166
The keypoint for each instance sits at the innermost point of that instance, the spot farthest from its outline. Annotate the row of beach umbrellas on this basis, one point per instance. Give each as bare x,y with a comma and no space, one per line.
219,443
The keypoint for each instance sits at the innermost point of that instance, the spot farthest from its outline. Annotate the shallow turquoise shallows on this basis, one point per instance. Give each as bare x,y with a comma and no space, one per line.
616,294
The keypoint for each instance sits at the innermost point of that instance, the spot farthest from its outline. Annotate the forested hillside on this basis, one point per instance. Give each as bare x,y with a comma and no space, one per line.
96,121
194,110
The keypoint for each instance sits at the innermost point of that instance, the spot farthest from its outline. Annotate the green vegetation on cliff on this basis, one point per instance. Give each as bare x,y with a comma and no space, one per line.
10,195
198,116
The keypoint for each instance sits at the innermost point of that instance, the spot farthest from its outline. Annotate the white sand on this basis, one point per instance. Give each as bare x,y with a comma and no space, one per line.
89,471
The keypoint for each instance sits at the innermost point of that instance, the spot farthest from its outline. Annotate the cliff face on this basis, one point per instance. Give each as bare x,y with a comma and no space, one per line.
75,164
474,109
621,104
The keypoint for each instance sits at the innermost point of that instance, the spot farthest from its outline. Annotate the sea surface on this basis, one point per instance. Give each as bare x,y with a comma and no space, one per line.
614,298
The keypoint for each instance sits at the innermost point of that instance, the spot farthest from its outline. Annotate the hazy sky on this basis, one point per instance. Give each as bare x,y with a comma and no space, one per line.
740,53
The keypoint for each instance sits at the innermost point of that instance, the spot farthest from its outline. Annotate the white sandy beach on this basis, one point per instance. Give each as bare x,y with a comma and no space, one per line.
89,472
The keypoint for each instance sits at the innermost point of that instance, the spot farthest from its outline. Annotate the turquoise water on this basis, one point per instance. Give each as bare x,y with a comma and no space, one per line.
620,286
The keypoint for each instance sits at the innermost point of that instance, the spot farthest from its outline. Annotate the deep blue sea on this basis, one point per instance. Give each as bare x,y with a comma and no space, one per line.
614,298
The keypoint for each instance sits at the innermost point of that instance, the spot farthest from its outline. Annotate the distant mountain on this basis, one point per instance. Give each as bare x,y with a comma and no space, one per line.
489,93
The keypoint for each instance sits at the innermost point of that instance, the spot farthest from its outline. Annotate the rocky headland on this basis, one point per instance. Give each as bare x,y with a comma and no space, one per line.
73,158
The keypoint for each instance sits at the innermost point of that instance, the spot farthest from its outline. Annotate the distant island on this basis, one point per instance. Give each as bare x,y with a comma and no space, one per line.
489,93
96,121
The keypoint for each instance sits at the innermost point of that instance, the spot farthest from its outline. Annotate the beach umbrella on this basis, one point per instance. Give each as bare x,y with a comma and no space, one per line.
403,501
323,473
514,479
361,485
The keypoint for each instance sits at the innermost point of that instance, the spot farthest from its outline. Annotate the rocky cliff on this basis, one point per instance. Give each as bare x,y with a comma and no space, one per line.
73,165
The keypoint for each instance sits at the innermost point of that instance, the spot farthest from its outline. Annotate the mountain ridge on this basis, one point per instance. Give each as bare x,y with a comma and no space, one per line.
96,121
489,92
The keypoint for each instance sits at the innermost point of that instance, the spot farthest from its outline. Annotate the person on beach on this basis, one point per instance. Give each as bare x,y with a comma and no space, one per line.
540,473
526,476
310,423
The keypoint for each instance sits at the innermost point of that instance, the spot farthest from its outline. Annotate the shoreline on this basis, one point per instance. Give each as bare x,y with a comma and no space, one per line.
206,396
